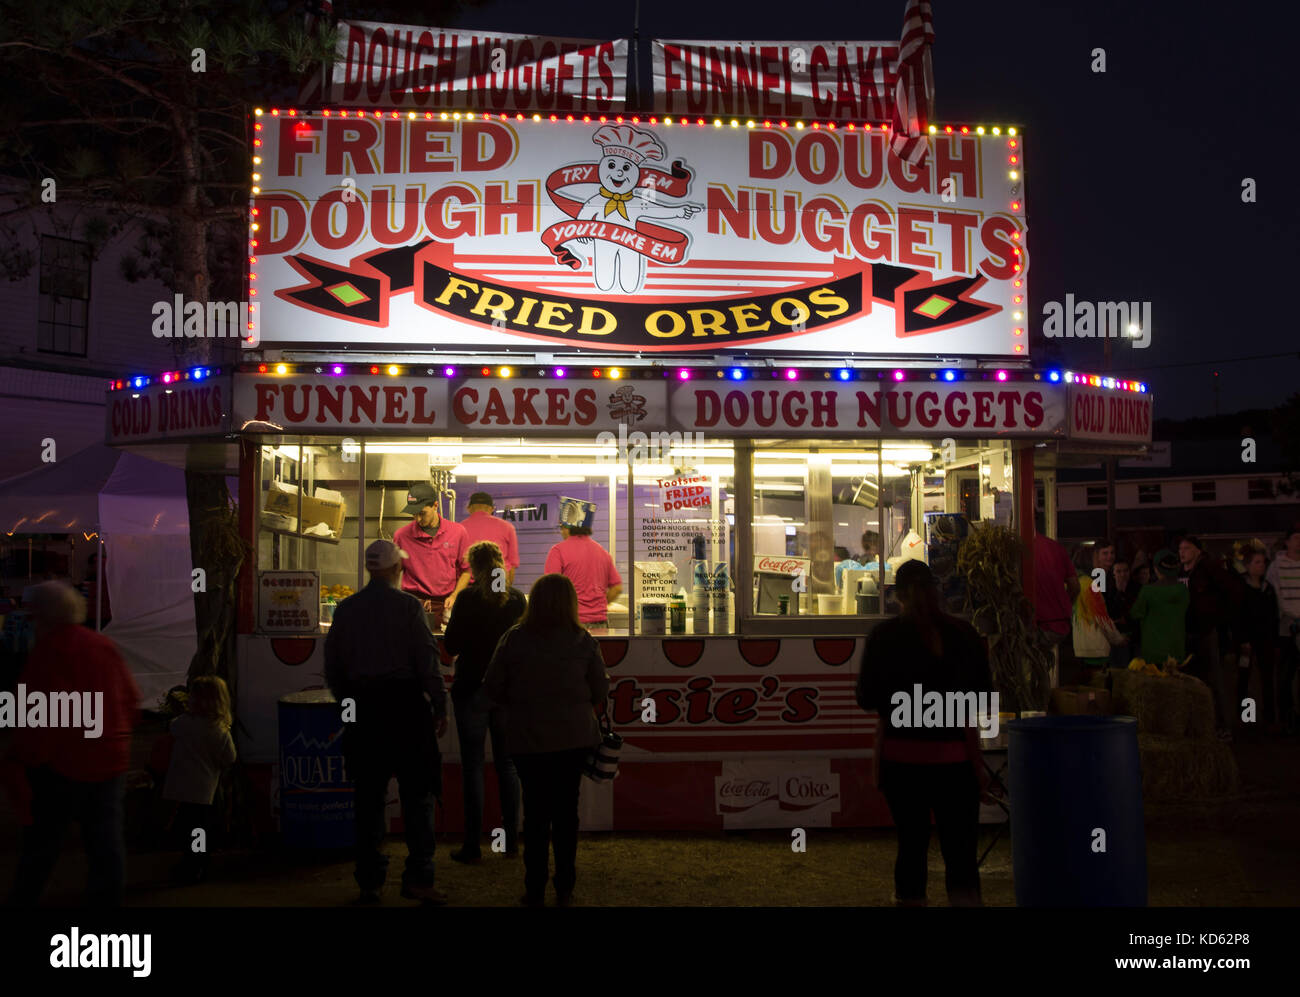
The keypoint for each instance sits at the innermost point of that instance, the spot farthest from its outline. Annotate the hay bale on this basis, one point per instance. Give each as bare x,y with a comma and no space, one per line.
1200,707
1162,705
1181,768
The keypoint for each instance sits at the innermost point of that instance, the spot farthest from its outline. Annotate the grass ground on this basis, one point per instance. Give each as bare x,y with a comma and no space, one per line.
1237,852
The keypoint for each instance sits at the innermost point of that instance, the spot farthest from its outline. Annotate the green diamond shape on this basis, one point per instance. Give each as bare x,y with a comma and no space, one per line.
347,294
934,306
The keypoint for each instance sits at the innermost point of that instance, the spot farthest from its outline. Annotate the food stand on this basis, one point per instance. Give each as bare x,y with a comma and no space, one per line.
829,342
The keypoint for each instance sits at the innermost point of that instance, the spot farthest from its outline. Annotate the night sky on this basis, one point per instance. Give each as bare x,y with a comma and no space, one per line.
1133,176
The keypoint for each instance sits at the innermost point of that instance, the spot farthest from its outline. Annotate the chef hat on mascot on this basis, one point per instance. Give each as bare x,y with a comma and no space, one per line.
628,142
576,512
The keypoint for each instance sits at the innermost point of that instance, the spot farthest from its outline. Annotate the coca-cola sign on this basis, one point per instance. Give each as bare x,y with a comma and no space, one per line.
738,795
802,792
781,565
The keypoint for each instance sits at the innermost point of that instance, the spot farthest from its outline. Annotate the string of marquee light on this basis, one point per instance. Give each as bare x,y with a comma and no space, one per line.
657,372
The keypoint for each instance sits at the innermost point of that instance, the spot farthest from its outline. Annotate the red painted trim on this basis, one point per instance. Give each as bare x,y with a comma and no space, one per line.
1025,508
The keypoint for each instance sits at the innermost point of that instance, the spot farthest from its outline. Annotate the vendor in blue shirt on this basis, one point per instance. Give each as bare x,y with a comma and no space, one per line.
868,559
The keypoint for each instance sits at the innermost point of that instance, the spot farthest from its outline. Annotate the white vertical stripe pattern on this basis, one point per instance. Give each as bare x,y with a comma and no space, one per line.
914,93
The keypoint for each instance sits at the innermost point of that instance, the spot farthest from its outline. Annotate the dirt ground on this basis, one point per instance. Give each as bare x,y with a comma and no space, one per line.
1237,852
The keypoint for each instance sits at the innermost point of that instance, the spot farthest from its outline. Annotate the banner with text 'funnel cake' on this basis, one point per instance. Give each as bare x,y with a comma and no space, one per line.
431,230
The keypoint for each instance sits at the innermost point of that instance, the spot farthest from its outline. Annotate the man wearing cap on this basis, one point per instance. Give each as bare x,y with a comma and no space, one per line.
588,565
436,571
381,656
481,526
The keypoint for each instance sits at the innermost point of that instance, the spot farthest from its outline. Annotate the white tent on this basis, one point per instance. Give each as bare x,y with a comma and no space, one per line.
138,506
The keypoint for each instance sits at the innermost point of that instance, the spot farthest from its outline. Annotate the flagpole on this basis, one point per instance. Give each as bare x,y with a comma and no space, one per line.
99,588
633,80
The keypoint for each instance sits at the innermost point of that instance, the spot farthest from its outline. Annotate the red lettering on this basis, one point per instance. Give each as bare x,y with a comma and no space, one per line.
956,417
585,402
422,415
496,408
524,404
791,415
556,399
927,409
394,403
265,400
1033,410
462,411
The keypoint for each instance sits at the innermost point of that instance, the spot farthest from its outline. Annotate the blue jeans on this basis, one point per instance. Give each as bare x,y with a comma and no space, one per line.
56,802
475,719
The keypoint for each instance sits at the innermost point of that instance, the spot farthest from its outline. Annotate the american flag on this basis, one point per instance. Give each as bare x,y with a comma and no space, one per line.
914,97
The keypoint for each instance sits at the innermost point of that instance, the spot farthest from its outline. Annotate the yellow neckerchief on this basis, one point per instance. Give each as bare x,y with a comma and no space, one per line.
615,202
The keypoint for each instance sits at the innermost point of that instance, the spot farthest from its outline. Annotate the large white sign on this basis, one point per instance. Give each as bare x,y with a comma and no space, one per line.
421,231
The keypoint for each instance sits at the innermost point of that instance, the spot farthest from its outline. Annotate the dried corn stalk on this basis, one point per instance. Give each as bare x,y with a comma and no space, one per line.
1019,654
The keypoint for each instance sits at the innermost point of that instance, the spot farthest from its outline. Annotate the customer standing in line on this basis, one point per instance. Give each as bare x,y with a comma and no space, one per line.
482,615
381,655
1215,599
1256,631
1284,576
924,769
1161,612
549,674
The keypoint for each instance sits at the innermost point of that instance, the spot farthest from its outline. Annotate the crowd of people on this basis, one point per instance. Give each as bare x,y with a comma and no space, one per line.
1212,615
530,676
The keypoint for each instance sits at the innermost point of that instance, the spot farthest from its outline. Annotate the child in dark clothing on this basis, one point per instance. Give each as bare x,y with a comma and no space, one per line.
202,750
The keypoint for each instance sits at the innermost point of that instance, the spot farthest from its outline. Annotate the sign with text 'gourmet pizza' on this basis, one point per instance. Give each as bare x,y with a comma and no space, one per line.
418,232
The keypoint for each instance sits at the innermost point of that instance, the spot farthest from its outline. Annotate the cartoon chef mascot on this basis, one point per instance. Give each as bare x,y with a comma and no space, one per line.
621,201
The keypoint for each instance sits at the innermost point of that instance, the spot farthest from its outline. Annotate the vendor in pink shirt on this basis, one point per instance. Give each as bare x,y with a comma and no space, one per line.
481,525
585,563
435,570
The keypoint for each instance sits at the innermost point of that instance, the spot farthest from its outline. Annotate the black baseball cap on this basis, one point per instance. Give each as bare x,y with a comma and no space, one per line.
480,498
418,496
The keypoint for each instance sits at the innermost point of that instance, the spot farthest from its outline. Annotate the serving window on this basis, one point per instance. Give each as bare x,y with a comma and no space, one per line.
831,525
826,525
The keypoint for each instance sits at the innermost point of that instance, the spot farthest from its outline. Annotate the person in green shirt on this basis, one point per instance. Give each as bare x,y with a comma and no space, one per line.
1162,609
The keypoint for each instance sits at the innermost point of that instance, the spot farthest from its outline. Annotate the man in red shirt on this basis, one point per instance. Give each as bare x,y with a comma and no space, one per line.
482,525
588,565
77,750
435,569
1056,585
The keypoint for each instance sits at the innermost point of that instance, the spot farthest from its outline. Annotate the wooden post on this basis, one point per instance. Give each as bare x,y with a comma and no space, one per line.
250,469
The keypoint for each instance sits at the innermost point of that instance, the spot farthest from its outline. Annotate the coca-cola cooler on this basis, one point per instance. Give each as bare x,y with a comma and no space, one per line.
774,577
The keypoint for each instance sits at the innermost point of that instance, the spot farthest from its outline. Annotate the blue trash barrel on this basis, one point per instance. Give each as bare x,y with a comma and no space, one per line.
316,798
1069,776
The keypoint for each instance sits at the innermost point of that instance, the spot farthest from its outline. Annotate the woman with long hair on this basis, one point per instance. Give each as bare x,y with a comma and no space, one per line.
202,749
482,613
934,767
549,675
